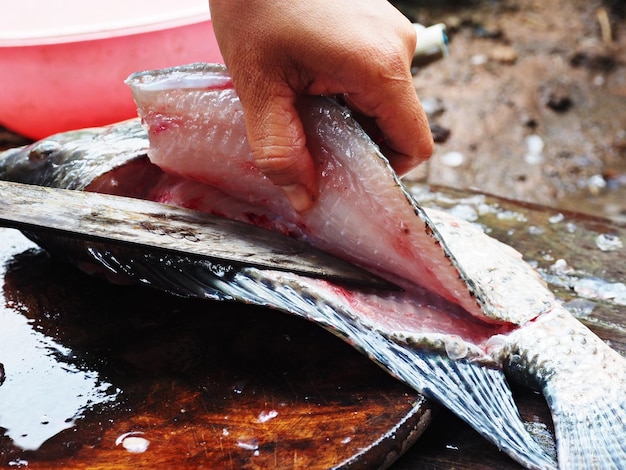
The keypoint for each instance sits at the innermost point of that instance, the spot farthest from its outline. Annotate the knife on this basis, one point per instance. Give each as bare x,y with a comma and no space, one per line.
153,226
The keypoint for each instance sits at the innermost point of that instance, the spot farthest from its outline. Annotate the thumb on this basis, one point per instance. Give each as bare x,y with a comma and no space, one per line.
278,143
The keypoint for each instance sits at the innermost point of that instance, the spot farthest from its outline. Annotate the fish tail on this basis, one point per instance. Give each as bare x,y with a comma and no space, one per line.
591,436
590,425
584,383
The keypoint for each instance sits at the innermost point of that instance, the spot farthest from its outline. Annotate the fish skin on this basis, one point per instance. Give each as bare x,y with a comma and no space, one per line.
442,363
586,396
63,160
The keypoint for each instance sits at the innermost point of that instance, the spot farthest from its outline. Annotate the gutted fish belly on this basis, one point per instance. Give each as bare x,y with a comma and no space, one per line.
471,310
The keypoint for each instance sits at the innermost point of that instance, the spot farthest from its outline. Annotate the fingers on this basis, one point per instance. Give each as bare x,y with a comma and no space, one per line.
383,90
277,52
407,137
403,127
278,145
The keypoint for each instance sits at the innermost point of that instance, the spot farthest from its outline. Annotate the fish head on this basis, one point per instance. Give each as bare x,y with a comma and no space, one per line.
57,160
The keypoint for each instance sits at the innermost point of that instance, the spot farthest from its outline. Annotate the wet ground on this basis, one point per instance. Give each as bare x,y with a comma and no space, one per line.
531,102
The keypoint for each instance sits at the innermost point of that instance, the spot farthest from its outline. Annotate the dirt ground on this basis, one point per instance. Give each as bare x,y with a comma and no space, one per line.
531,102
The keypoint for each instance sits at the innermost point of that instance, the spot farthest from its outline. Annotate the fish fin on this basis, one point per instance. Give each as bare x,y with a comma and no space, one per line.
480,396
177,275
589,418
584,383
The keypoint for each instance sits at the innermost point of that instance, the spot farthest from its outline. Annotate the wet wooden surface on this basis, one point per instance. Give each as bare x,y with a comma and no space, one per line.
218,385
204,384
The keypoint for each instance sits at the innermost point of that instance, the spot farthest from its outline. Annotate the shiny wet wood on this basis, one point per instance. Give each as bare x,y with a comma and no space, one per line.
198,378
207,384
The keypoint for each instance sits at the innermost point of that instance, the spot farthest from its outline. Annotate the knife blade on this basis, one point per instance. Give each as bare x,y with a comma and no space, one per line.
171,229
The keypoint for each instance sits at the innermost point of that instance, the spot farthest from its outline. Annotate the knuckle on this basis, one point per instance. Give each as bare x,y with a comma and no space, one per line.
278,162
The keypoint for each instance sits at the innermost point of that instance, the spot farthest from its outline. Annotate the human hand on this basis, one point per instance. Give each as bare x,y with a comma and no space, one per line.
361,49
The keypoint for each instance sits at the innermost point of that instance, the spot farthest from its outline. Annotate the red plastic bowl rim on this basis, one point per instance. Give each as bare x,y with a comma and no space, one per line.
104,33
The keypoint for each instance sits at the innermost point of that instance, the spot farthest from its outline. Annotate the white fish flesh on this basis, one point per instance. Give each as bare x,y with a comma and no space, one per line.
502,318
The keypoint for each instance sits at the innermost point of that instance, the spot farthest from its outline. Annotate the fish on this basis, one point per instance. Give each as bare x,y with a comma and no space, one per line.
471,313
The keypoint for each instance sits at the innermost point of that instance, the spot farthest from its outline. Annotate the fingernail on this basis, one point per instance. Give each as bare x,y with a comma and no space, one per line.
300,198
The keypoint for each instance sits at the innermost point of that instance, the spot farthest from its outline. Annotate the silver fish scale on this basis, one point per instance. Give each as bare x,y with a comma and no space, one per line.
508,288
73,160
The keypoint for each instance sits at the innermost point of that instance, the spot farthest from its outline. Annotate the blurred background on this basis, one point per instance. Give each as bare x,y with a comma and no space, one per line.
531,102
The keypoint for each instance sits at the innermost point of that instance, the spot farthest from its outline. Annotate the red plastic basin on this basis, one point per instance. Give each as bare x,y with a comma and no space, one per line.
61,71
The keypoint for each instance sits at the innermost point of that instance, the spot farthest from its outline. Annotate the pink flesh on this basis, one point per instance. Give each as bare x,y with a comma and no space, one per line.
416,313
199,134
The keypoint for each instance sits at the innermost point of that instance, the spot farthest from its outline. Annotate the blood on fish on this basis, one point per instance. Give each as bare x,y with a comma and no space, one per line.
222,85
161,123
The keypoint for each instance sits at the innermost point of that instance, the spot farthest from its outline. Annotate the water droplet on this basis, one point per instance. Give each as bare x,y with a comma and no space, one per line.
239,387
608,242
248,443
580,308
18,463
453,159
456,348
511,215
534,144
265,416
594,288
556,218
479,59
534,149
465,212
560,266
495,343
133,442
595,184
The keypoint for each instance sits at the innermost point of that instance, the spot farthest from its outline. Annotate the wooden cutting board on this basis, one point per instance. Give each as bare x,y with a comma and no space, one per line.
218,385
203,384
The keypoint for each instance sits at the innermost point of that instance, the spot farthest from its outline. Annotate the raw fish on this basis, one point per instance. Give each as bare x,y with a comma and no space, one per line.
471,310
